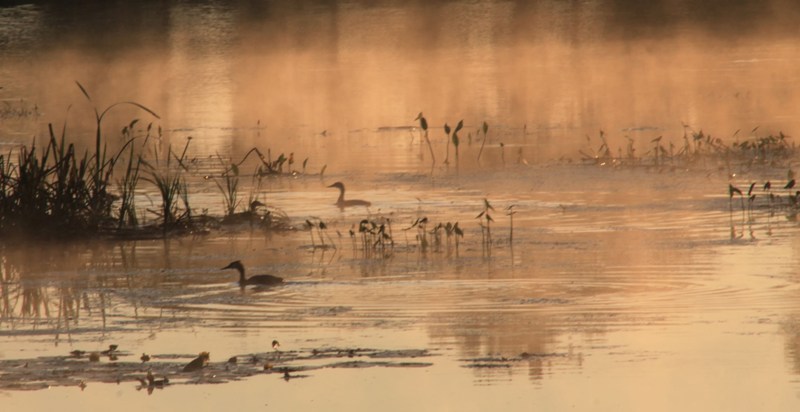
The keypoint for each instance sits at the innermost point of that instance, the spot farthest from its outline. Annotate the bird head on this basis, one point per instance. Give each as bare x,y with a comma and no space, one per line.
235,265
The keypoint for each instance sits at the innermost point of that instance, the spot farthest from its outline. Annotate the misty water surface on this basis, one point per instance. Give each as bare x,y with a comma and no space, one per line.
626,288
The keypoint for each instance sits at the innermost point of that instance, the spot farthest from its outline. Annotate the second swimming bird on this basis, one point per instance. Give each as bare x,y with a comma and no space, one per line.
263,280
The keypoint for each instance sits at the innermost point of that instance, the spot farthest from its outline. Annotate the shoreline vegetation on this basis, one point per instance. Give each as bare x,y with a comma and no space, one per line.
56,190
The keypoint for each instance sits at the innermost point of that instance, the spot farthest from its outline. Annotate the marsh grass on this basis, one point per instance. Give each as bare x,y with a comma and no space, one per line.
127,216
696,148
58,190
229,186
168,177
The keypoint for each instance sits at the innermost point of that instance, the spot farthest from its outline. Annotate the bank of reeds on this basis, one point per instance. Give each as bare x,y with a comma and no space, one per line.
56,189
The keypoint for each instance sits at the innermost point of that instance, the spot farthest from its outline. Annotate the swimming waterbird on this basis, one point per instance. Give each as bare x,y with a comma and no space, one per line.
264,280
347,203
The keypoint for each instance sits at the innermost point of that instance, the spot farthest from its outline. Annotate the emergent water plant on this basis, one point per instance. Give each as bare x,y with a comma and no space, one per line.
167,176
484,129
423,124
486,229
60,193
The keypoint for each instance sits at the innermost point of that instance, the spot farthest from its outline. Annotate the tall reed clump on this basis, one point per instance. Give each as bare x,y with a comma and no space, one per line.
229,186
168,179
127,186
59,191
100,199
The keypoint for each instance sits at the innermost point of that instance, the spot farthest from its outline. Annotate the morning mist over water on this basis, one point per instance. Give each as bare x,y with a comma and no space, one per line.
561,70
584,244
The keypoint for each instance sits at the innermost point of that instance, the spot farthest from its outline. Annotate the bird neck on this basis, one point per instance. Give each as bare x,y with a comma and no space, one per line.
340,201
242,279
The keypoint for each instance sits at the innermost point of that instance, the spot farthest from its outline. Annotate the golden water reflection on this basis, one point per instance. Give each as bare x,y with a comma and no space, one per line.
560,72
568,299
623,289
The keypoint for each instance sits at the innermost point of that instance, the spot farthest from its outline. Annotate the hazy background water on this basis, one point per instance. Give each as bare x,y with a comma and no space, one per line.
559,69
638,288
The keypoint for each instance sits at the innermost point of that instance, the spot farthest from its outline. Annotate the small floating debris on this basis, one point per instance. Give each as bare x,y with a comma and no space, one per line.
112,349
170,369
150,382
489,362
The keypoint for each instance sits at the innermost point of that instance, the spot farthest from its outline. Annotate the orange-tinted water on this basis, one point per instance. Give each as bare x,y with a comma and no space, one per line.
623,288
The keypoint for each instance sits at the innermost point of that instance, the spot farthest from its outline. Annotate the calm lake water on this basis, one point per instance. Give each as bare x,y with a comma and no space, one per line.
620,288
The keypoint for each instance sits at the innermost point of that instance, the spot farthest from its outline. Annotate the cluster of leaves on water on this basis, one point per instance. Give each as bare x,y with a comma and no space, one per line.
781,197
18,109
373,237
56,189
695,147
451,136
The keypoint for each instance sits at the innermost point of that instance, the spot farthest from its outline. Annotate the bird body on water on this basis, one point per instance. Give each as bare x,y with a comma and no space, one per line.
342,203
263,280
